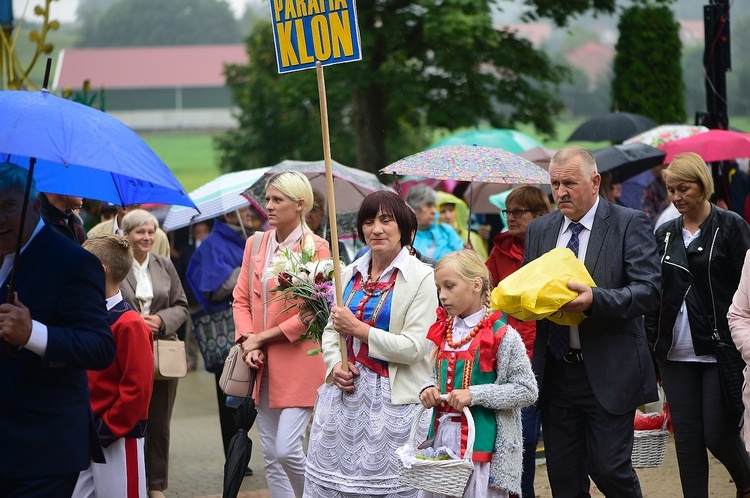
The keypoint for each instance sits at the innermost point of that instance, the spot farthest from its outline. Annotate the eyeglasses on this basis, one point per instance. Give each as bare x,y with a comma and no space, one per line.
517,213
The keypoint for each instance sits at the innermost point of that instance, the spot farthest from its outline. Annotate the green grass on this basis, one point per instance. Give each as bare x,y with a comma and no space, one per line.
194,161
190,156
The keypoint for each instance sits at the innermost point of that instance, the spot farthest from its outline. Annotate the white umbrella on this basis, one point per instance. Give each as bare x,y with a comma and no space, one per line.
220,196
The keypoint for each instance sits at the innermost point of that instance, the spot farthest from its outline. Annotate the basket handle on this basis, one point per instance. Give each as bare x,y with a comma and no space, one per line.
469,422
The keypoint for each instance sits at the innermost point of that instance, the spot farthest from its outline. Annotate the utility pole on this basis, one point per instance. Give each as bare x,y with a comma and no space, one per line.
717,61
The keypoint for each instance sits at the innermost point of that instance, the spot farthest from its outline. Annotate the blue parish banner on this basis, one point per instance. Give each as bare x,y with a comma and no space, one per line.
307,31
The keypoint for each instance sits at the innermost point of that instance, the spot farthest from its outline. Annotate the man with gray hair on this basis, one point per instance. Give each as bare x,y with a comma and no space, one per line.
593,376
52,331
432,239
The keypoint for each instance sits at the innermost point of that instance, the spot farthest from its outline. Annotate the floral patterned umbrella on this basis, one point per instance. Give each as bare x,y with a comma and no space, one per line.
666,133
470,163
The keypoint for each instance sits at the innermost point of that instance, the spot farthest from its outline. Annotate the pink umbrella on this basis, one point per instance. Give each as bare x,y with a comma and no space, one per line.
712,146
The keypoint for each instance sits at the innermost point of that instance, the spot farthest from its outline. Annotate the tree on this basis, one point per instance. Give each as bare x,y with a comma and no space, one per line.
647,67
426,64
130,23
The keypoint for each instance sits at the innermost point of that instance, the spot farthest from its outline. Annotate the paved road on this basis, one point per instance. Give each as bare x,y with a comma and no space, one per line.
196,465
197,459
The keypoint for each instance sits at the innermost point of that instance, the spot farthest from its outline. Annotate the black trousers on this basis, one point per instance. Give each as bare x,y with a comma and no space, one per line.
582,439
700,420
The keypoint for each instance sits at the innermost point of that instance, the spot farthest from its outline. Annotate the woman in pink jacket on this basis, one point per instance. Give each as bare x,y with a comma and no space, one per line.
269,331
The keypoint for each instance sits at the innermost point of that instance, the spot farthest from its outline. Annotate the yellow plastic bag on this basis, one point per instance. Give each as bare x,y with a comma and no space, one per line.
538,289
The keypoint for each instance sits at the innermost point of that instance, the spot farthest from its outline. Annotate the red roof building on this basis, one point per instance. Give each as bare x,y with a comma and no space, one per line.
156,87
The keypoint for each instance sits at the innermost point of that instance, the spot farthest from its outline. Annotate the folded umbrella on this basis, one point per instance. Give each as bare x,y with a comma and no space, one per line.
240,446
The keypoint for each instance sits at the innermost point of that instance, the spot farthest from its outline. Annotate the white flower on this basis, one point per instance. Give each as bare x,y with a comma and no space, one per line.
309,245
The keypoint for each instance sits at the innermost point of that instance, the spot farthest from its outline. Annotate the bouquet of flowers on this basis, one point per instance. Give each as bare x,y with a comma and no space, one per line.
301,277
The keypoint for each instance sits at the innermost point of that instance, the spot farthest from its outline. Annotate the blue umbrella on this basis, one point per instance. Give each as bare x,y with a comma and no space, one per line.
82,151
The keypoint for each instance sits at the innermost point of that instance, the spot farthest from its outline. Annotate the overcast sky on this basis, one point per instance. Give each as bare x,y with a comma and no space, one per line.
65,10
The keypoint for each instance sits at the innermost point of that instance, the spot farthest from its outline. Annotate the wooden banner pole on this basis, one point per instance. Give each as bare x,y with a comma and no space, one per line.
331,203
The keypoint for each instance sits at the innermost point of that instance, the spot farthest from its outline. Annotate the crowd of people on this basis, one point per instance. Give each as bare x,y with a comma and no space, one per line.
421,339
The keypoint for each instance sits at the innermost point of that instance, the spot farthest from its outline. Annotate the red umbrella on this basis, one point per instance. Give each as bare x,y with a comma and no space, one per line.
712,146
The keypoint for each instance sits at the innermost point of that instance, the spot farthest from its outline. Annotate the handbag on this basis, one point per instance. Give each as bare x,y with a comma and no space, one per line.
235,377
215,335
731,365
170,360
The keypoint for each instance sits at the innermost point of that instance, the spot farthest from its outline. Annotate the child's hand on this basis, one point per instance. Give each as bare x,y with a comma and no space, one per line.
430,397
459,398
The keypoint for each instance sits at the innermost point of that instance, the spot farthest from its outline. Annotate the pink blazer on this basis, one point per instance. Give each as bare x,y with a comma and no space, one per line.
294,377
739,326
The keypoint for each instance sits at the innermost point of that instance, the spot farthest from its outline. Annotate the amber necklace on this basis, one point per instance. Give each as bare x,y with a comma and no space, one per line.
468,338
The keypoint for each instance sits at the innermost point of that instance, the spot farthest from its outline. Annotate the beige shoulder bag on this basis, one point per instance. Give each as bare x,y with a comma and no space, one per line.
235,377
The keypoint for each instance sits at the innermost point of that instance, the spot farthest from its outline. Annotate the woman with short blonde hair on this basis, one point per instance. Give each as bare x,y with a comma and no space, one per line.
702,253
269,329
690,167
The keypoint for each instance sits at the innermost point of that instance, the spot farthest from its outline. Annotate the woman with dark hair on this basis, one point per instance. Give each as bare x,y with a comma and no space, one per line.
364,414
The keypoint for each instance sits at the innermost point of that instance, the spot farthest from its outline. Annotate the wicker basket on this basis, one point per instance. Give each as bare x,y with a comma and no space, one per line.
448,477
649,446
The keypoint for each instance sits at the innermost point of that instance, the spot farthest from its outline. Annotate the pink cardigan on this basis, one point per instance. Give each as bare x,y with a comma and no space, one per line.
294,376
739,326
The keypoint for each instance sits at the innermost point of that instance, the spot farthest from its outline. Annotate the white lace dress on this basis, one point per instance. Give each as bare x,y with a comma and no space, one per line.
354,438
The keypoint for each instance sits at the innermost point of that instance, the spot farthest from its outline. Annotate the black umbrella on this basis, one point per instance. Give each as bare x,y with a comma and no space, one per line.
627,160
613,127
241,446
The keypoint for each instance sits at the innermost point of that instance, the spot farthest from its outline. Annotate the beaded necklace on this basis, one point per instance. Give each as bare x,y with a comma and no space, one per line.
468,338
370,288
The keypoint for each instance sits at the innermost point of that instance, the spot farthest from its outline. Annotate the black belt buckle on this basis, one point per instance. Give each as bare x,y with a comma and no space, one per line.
573,356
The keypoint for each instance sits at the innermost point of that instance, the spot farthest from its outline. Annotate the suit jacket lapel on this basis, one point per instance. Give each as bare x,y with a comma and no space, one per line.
597,237
130,280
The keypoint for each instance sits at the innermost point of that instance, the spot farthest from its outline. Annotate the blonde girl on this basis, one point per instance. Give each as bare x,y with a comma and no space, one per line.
480,362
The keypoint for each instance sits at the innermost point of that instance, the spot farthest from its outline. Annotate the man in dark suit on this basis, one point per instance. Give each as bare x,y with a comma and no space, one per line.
593,376
56,329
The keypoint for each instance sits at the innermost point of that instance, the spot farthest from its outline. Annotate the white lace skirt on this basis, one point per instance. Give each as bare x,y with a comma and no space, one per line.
354,438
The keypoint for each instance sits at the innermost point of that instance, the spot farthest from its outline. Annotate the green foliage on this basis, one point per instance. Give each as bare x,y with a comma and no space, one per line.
647,67
135,23
426,64
560,11
280,116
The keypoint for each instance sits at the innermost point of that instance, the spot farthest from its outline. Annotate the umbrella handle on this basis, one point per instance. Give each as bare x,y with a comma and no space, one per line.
253,376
